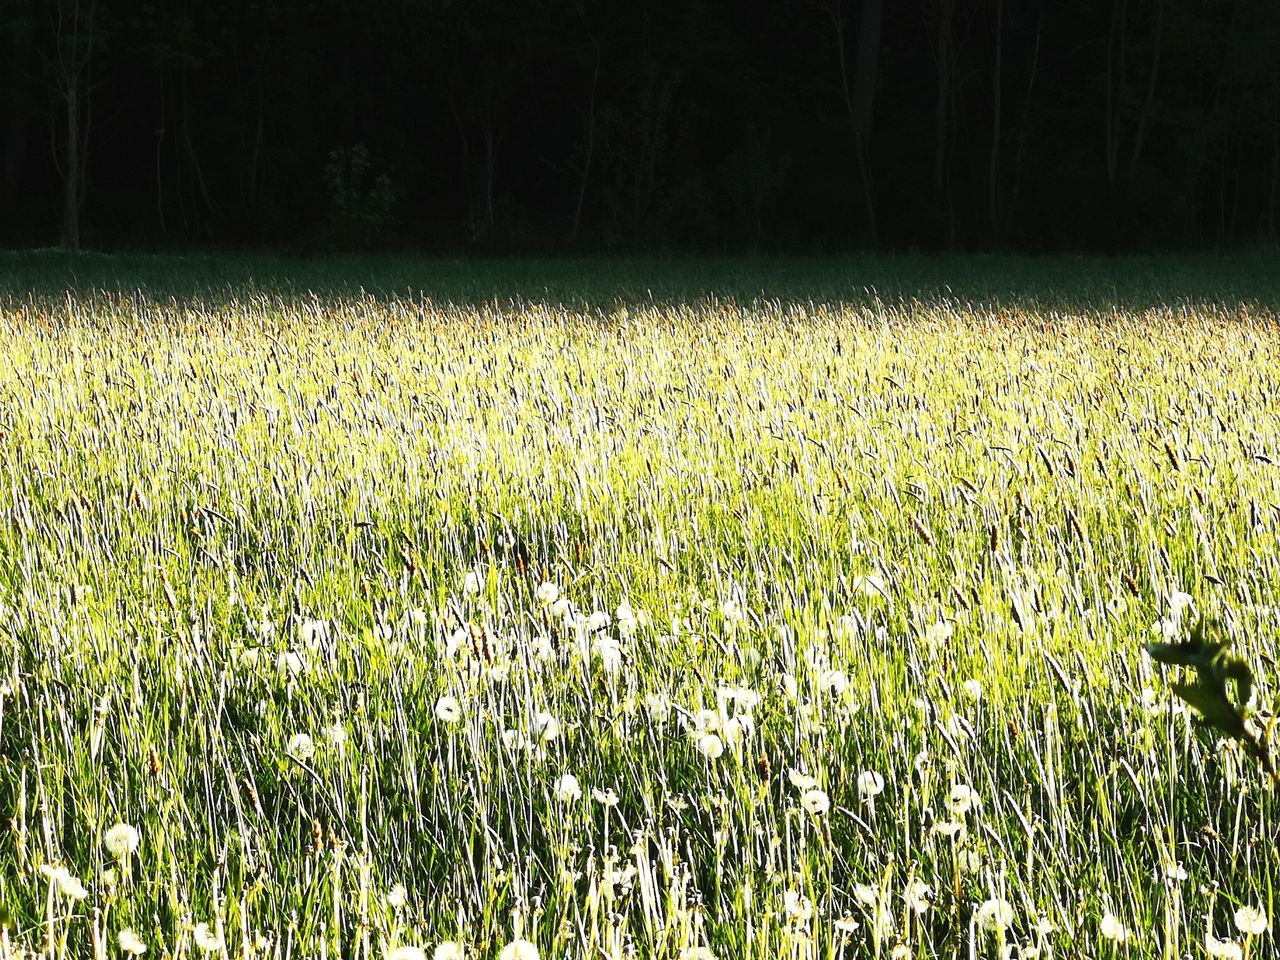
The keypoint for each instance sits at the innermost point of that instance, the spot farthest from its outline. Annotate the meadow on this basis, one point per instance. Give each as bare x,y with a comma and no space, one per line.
383,610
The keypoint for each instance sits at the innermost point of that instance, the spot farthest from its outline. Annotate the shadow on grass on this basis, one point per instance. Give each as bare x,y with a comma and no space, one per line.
1043,284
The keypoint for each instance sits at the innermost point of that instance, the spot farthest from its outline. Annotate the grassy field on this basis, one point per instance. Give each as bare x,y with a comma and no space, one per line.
724,609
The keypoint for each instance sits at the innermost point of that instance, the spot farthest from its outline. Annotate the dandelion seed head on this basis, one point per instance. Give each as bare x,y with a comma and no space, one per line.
206,939
797,906
1251,921
961,799
937,633
1113,929
1222,949
834,682
802,781
846,924
545,727
918,895
397,896
870,784
994,914
448,709
567,789
300,747
710,746
130,942
519,950
121,840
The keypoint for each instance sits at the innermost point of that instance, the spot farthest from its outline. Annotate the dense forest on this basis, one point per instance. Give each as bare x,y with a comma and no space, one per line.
581,125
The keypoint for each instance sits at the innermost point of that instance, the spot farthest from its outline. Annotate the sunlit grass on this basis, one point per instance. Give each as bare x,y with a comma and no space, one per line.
670,627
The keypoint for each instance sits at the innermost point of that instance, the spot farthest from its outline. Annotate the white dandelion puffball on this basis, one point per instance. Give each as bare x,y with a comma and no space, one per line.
869,586
336,734
121,840
397,896
697,953
449,950
1113,929
610,654
994,914
732,611
973,689
797,906
471,584
519,950
561,608
130,942
710,746
1180,603
938,632
866,894
736,729
846,924
448,709
961,799
815,801
870,784
917,895
658,707
206,939
407,953
289,663
1222,949
606,798
802,781
567,789
542,648
545,727
546,594
626,619
300,747
70,886
835,682
312,633
950,828
1251,921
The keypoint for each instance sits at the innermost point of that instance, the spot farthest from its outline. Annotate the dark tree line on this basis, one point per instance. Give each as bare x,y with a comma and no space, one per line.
553,125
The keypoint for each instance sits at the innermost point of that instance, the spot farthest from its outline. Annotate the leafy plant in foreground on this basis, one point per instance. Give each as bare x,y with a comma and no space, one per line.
1222,692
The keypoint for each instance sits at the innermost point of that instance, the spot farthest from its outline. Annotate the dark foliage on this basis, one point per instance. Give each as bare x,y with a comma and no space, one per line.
654,124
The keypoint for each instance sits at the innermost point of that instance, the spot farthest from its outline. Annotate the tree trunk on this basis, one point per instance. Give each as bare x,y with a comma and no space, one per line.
859,96
491,138
590,150
866,71
16,141
1145,117
994,202
71,171
942,116
1275,182
1115,87
1015,189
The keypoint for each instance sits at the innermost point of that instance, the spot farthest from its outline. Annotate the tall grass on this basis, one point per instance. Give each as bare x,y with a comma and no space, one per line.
685,625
